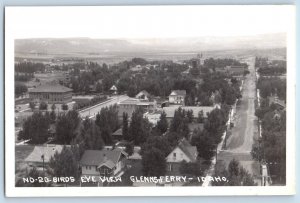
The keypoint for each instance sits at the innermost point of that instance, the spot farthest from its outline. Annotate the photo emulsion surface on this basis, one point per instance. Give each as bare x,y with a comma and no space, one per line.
164,100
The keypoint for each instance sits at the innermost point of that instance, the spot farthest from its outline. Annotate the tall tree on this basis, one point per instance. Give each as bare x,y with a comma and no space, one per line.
125,130
139,127
90,136
162,124
35,128
235,174
66,127
154,163
43,106
64,164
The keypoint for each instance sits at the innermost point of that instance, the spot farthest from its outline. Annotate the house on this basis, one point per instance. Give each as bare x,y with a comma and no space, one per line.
40,156
177,97
106,162
113,89
184,151
204,110
117,135
52,93
143,95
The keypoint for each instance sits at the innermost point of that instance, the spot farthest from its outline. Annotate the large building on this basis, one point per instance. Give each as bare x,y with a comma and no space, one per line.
131,104
52,93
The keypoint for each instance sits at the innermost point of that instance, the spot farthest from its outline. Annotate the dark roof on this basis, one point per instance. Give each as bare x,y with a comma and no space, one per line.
51,87
101,157
118,132
188,149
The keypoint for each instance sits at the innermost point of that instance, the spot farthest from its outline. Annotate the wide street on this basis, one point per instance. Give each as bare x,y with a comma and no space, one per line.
245,130
91,112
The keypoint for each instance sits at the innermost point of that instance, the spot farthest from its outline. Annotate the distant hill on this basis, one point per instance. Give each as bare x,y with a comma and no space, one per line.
68,46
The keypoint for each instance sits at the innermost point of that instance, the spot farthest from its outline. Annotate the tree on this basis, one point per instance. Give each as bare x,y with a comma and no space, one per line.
35,174
43,106
66,127
194,71
64,164
235,174
200,118
32,105
159,142
216,123
139,128
162,124
64,107
52,114
190,116
53,107
205,143
107,121
125,130
190,168
35,128
179,123
20,89
90,136
154,163
129,148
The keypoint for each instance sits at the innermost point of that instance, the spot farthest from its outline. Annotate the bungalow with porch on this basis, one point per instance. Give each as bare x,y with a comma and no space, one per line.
106,162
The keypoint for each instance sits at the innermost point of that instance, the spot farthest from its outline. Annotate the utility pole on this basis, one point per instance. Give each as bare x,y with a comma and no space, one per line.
43,158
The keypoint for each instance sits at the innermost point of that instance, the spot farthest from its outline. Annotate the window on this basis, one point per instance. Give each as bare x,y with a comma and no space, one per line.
170,167
174,155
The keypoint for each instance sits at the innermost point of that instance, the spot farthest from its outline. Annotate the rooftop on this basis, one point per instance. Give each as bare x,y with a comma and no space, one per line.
48,151
51,87
101,157
188,149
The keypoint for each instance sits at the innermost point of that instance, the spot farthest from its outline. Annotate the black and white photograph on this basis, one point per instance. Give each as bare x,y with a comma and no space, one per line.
150,100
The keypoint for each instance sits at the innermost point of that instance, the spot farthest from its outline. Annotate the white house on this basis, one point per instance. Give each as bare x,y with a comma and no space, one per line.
184,151
177,97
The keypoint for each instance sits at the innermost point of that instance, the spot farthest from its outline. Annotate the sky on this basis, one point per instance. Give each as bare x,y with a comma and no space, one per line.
137,22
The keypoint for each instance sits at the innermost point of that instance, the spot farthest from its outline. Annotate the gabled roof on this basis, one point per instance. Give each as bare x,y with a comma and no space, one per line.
118,132
113,88
51,87
189,150
178,93
99,158
46,151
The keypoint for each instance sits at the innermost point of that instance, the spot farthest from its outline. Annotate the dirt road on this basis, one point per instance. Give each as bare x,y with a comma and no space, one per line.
239,144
